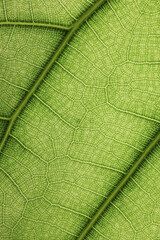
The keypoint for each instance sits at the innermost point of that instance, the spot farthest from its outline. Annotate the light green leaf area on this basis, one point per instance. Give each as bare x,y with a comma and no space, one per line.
91,117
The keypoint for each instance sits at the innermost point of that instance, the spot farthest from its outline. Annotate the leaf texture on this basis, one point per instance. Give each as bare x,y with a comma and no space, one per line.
80,108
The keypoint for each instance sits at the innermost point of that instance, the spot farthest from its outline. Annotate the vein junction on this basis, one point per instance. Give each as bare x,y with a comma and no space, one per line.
119,186
48,66
34,24
31,92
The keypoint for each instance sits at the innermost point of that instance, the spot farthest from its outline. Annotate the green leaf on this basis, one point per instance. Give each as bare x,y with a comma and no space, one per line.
79,120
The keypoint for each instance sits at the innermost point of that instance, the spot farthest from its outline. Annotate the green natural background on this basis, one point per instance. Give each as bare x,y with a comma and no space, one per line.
94,113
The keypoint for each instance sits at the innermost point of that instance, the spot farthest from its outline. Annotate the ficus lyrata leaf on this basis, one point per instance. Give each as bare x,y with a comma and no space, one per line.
80,119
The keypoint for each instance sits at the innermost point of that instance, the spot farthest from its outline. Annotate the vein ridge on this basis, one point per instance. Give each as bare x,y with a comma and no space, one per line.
48,66
119,186
34,24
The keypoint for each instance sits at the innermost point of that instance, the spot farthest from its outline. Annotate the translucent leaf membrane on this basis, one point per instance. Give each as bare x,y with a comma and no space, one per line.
93,115
57,11
24,53
135,213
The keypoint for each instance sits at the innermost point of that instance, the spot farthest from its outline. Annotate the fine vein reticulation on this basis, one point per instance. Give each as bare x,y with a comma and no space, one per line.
71,31
119,186
74,28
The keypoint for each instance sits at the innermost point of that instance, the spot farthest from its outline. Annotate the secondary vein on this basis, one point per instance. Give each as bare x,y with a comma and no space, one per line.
71,31
119,186
34,24
48,66
4,118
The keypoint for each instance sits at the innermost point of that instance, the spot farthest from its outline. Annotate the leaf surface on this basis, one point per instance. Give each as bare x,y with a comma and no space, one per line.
79,108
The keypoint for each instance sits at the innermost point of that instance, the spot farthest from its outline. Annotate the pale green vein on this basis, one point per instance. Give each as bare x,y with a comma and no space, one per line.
97,165
52,225
66,208
48,66
28,149
119,186
133,113
34,24
52,110
130,223
5,118
15,184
